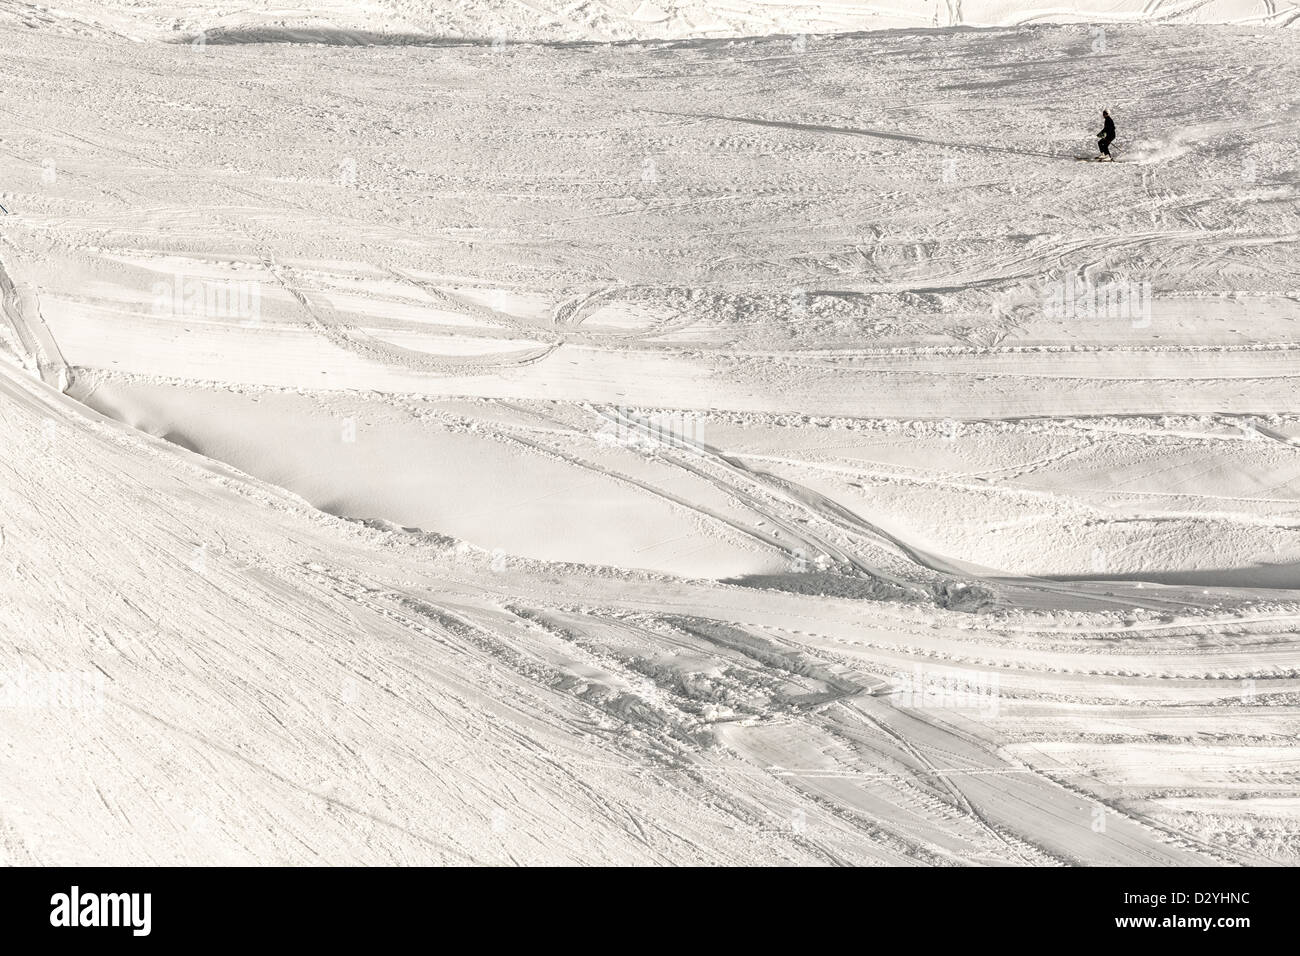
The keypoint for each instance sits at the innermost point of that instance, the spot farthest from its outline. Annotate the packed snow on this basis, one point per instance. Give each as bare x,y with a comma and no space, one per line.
761,440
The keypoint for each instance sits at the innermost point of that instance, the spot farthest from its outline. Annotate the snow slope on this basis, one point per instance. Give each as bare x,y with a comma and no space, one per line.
677,19
547,453
350,21
280,686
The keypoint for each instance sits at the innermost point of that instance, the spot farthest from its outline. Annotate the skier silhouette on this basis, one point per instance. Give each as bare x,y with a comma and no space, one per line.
1106,136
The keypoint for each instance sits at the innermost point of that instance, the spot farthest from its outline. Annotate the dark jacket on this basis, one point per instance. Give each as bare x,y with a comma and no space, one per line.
1108,129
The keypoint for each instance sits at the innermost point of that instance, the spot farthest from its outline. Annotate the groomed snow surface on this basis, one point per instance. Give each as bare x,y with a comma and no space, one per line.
690,450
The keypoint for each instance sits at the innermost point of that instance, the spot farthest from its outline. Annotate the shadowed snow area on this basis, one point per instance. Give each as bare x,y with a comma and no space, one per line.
445,436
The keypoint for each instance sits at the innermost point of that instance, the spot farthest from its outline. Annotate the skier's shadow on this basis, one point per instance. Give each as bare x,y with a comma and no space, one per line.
851,131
